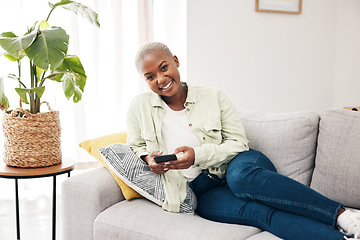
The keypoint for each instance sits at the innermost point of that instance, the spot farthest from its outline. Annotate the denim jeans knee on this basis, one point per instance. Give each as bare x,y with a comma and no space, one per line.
244,165
252,157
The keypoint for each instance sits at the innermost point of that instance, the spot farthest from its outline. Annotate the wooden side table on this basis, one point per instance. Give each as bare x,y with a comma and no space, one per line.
22,173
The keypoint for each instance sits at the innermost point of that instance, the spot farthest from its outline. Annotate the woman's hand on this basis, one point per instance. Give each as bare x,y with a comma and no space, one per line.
157,168
185,161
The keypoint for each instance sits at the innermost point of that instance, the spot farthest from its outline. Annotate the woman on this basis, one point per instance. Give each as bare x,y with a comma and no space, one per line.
232,183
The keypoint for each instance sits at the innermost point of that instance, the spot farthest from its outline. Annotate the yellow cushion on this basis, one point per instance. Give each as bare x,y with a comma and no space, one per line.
92,146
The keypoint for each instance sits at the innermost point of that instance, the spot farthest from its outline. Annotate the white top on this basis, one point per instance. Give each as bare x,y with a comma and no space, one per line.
176,132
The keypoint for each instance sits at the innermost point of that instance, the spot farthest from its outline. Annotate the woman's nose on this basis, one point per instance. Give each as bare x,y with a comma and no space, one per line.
161,78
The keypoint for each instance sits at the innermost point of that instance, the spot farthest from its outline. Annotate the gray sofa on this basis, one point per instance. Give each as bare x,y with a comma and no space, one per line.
319,150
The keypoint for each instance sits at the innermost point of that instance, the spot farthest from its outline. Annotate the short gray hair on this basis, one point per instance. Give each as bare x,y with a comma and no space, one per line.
148,48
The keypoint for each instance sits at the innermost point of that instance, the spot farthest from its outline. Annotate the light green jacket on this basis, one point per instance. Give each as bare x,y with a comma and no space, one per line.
212,118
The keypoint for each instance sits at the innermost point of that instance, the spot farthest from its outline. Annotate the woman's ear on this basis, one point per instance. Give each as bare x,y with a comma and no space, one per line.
176,61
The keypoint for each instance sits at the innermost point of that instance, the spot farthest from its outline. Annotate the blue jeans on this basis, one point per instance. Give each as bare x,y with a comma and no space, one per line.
254,194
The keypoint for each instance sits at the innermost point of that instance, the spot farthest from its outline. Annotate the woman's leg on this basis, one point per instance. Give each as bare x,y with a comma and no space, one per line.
221,205
251,175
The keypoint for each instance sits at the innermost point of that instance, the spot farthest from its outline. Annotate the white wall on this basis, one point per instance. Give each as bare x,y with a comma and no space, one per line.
347,71
169,26
276,62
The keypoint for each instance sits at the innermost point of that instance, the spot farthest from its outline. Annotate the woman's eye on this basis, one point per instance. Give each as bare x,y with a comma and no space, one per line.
149,78
164,68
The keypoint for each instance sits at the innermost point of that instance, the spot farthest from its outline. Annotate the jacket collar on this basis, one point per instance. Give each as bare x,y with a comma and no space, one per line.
191,96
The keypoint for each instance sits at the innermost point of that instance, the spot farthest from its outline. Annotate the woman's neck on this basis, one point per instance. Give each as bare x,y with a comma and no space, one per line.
177,101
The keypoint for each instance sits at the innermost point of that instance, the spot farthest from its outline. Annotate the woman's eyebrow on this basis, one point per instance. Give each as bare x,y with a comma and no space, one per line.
161,64
158,67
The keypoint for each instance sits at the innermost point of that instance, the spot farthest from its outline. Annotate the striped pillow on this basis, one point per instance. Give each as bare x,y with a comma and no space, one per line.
137,175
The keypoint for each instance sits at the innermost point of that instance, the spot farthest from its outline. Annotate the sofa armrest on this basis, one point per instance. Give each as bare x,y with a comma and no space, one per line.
84,197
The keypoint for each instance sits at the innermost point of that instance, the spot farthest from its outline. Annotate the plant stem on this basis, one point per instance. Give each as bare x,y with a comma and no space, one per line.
31,93
19,71
52,9
36,97
37,104
22,84
35,76
43,78
19,77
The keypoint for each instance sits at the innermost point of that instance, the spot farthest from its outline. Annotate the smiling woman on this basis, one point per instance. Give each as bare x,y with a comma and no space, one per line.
160,69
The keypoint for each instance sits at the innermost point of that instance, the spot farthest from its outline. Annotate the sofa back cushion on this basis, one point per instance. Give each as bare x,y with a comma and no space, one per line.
337,170
287,139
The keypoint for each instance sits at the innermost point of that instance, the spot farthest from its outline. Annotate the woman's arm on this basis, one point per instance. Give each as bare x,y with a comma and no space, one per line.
233,138
134,137
137,142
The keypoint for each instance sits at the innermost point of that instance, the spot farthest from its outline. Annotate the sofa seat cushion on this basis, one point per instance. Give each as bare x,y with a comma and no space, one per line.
337,170
287,139
263,236
141,219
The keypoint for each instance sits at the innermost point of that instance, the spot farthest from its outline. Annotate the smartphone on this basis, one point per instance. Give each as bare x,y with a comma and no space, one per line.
165,158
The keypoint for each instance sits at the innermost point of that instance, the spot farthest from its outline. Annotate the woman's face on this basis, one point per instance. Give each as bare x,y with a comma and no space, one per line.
161,72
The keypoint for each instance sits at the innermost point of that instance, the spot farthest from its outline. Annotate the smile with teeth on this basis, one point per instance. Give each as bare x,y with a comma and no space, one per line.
167,86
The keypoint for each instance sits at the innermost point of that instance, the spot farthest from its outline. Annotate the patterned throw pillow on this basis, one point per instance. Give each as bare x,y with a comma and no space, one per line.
137,175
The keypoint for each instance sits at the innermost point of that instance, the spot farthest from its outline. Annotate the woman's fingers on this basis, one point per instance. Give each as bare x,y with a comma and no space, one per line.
157,168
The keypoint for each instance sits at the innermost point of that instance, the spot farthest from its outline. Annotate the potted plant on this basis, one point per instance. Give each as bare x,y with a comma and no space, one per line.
46,48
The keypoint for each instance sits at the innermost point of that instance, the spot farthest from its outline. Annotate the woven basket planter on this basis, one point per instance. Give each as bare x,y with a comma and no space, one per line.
31,140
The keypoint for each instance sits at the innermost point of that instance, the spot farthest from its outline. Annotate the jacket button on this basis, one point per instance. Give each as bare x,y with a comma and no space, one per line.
188,109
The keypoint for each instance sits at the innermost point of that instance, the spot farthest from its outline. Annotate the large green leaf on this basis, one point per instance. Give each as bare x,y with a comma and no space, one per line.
72,63
72,68
77,95
82,9
12,43
68,87
56,76
22,93
49,48
71,90
39,91
72,74
17,56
